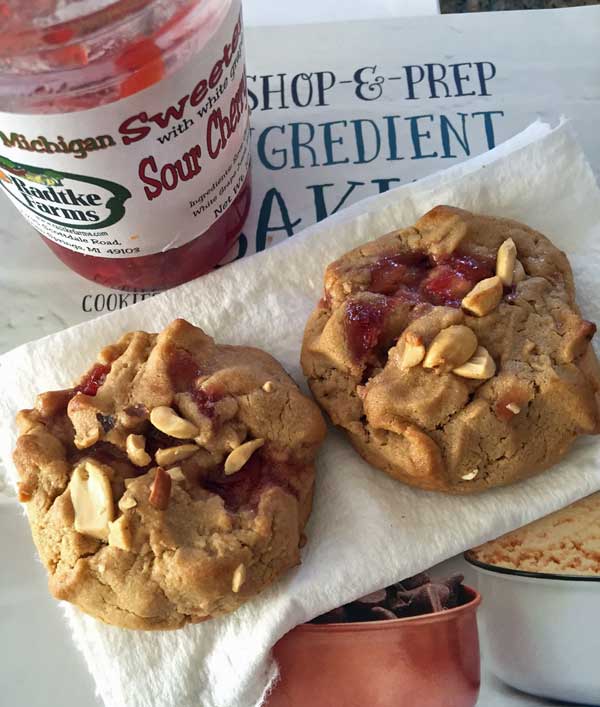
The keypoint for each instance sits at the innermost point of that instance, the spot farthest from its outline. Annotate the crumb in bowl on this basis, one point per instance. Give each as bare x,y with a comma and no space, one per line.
565,543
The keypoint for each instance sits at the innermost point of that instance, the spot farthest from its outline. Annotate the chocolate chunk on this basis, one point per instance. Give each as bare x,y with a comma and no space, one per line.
399,606
438,596
409,595
425,599
107,421
429,598
406,597
402,611
416,580
381,613
378,597
454,584
415,596
398,602
356,611
334,616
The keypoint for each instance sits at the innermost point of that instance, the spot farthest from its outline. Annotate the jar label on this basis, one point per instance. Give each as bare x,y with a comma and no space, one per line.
144,174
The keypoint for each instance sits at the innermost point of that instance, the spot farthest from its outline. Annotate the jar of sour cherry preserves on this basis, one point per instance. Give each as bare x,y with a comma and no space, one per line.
124,133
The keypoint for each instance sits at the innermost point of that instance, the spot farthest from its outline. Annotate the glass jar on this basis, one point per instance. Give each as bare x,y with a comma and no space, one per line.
124,133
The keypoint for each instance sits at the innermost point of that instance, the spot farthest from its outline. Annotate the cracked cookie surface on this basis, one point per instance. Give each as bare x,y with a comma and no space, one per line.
173,482
453,352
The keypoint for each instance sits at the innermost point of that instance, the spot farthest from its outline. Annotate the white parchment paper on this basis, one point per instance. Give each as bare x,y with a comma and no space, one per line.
366,530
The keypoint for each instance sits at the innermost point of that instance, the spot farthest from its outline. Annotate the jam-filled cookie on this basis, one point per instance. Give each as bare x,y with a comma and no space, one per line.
453,352
173,482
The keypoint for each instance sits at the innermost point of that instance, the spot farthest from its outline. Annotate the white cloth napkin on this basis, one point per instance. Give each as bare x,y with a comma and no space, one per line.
366,530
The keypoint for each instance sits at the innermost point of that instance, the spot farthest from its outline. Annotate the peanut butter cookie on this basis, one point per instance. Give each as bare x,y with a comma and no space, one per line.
453,352
173,482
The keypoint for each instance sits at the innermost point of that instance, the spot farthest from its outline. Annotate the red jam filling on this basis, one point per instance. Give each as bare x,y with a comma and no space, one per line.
93,380
392,272
236,490
206,401
515,396
453,278
144,58
364,323
183,370
138,53
412,278
502,412
444,282
244,488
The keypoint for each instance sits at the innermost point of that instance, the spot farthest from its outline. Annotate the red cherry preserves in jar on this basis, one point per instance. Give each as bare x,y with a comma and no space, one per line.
124,133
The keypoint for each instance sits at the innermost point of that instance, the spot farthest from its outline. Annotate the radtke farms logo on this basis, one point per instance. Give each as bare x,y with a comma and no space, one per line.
64,198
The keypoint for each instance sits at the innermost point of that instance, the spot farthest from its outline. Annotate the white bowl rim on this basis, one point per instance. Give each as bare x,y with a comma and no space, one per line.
498,569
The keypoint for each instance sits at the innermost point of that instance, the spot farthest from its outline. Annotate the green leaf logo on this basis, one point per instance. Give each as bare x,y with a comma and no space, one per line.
64,198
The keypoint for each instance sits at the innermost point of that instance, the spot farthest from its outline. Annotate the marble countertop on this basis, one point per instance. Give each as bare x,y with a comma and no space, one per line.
487,5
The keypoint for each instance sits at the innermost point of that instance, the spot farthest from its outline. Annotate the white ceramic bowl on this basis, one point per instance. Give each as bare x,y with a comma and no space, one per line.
540,633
